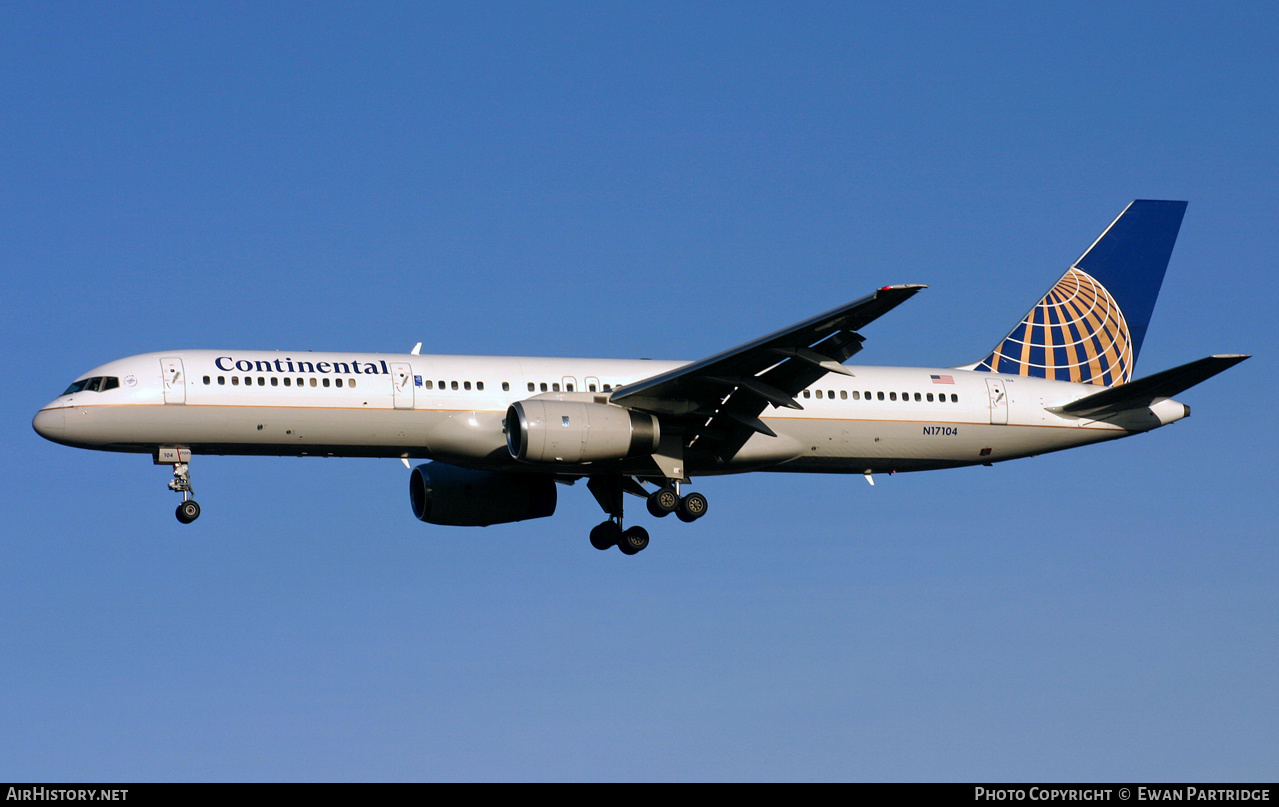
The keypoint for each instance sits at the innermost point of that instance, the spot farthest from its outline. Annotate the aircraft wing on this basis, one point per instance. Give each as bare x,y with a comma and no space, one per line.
1143,391
717,401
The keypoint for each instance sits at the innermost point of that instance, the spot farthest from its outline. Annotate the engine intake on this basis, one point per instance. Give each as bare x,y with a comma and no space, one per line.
460,497
575,432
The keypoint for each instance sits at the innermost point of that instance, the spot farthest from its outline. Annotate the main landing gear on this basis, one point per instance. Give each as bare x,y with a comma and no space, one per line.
666,500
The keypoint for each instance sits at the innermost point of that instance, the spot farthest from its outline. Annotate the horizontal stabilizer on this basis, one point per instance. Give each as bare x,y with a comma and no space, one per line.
1144,391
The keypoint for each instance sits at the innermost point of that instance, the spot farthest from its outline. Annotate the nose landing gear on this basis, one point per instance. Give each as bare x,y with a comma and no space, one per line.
180,459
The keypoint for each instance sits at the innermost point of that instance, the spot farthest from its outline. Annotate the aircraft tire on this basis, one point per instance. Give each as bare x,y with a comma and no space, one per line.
662,503
188,511
633,540
692,507
605,536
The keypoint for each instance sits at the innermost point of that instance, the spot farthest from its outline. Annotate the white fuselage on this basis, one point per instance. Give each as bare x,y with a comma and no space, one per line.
452,408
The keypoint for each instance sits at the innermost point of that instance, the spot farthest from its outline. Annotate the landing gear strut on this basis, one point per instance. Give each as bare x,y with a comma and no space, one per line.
188,511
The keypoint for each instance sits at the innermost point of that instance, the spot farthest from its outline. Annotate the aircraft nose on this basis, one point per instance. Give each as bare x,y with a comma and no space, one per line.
50,423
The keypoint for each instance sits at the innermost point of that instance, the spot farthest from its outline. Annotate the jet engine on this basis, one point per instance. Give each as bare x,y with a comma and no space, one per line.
460,497
575,432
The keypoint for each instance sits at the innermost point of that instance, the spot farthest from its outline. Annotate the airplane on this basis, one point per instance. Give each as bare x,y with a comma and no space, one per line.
500,432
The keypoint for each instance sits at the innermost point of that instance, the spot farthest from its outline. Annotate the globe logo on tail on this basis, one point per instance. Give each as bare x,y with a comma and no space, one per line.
1075,333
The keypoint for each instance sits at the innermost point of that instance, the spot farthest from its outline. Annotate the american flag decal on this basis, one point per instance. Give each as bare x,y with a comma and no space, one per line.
942,379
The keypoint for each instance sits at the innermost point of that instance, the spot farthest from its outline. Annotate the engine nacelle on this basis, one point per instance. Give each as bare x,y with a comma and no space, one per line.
573,432
459,497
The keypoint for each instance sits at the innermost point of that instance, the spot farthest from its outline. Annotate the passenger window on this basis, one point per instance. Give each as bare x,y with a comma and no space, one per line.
235,381
879,395
207,381
337,381
325,382
479,386
857,396
288,381
543,386
608,387
222,380
350,382
954,398
930,397
568,387
555,387
506,386
590,387
807,394
530,386
275,382
313,383
892,396
917,396
261,381
428,384
442,384
301,382
819,395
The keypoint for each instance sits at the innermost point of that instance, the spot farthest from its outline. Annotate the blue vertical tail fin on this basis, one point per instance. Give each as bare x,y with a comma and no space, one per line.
1089,327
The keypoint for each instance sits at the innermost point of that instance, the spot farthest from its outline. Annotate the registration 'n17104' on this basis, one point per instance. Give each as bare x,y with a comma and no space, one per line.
948,431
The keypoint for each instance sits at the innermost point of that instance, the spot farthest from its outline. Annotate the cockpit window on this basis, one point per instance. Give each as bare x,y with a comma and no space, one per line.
98,383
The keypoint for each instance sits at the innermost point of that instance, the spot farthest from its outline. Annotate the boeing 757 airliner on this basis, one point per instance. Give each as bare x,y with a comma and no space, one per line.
500,432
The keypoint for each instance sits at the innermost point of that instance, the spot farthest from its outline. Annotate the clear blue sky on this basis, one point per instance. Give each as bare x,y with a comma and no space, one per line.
640,180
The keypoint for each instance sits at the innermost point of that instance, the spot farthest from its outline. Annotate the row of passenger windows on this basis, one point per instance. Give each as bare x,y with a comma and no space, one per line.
857,395
466,385
275,381
104,383
568,387
262,381
544,386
